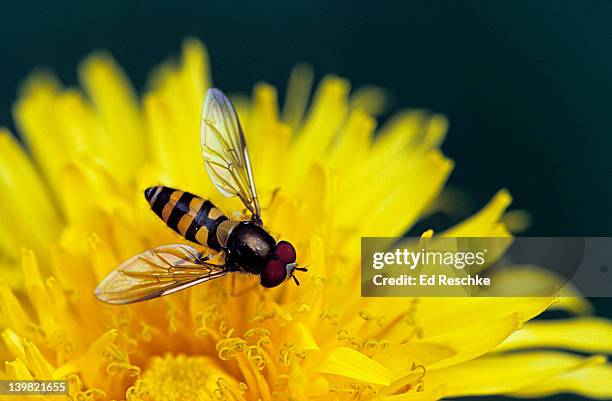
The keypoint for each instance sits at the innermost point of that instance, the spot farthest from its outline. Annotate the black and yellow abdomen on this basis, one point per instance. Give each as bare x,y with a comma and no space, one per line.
194,218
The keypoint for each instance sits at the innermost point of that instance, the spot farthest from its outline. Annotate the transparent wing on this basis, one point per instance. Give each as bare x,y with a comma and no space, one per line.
155,273
225,152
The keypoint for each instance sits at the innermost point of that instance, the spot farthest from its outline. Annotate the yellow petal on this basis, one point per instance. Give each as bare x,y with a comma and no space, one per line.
485,223
102,257
195,71
438,316
316,200
299,386
265,113
383,207
118,112
29,218
160,135
37,292
88,188
517,221
505,373
470,343
425,395
586,334
13,314
372,99
91,364
303,337
174,126
13,343
37,123
399,358
347,362
391,216
325,116
10,273
76,120
527,279
524,278
434,132
415,131
17,370
298,93
398,134
574,303
588,381
36,362
467,343
72,271
267,138
353,142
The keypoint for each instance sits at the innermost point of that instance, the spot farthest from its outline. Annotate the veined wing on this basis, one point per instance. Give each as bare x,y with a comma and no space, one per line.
225,152
155,273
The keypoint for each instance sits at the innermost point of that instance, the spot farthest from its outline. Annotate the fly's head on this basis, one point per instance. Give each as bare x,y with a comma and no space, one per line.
281,266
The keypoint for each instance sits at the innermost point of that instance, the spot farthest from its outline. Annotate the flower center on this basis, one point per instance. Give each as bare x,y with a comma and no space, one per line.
180,377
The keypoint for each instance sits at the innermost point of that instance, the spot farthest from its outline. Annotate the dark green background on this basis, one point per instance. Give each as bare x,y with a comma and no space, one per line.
527,85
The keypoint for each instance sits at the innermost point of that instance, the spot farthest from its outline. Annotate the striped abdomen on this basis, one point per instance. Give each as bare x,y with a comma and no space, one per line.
189,215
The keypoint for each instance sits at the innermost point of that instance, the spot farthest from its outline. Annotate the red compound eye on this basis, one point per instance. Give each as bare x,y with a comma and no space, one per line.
285,252
273,274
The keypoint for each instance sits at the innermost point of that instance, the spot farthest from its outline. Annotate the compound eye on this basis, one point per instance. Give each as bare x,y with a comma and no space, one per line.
285,252
273,273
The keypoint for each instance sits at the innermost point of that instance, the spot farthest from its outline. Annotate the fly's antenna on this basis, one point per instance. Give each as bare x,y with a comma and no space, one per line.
301,269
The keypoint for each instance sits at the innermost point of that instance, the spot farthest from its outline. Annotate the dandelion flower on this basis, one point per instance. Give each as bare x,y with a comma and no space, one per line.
73,209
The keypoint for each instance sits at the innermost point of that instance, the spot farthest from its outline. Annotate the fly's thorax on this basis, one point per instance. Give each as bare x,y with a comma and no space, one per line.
249,247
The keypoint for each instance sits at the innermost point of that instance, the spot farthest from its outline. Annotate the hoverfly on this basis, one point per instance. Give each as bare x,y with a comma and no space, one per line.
246,245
